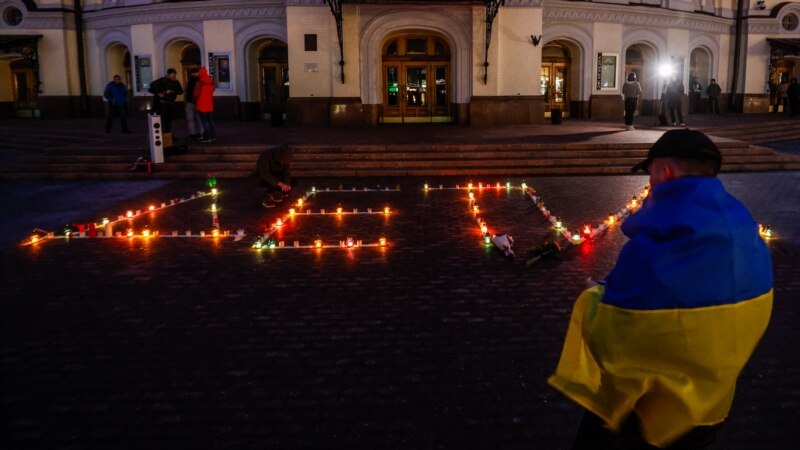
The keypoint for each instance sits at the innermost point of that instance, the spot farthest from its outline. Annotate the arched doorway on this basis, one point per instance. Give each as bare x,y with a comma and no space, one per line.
118,62
273,75
554,81
190,59
416,78
699,77
641,59
23,86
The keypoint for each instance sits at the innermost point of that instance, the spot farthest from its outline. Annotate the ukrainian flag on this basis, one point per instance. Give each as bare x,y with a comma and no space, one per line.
682,311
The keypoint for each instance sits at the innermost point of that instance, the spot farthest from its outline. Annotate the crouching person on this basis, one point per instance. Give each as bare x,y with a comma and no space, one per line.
273,171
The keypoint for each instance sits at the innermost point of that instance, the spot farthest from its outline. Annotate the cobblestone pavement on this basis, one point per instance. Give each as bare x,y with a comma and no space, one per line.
434,342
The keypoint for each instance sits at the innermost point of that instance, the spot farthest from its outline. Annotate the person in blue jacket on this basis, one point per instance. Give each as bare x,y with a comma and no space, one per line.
653,354
117,95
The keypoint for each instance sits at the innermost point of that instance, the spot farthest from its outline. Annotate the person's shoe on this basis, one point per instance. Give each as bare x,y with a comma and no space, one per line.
674,124
276,198
211,139
632,128
268,204
201,139
683,124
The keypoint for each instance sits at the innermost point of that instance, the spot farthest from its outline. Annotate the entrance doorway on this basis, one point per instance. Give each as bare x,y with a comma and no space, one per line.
416,80
554,79
273,63
23,81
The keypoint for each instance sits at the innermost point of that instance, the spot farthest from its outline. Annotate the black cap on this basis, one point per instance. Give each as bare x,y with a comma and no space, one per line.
683,143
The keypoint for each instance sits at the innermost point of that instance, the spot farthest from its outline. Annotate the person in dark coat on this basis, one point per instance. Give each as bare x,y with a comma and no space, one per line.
117,95
793,93
165,90
713,90
273,170
192,118
675,93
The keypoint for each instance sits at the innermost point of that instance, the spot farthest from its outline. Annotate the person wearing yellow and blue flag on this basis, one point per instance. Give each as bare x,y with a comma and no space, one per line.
654,353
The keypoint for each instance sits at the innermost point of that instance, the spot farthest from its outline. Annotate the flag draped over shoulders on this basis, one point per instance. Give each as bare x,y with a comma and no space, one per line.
680,315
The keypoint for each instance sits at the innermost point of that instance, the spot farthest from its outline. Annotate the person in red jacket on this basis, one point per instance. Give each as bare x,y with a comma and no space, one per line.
204,103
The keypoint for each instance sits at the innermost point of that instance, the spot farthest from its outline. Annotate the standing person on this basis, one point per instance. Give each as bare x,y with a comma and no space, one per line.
674,100
273,170
793,94
695,88
192,118
117,95
204,98
654,354
165,90
713,90
632,90
783,89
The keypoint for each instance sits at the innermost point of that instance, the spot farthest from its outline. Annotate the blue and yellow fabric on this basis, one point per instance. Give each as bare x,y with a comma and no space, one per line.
680,314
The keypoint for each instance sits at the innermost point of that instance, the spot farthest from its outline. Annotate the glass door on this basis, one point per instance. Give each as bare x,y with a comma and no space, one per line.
274,89
554,87
415,92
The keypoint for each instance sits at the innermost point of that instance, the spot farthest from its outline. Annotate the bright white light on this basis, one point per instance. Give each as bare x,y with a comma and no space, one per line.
665,70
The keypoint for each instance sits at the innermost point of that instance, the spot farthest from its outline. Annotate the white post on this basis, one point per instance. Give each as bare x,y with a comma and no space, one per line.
156,138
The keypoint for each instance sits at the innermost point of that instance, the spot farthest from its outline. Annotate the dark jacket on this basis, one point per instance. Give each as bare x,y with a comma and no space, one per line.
162,85
188,96
713,90
116,94
273,165
674,93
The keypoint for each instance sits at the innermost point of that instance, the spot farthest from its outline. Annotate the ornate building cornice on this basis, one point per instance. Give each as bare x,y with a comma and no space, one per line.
179,12
764,26
48,21
629,15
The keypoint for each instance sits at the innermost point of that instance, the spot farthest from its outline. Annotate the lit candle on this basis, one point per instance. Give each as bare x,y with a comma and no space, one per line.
382,241
469,186
213,207
291,211
34,239
487,240
508,185
558,225
214,191
279,222
426,186
611,219
587,229
386,210
151,207
484,229
105,221
129,214
524,186
475,209
318,242
299,202
215,232
146,232
130,232
498,185
471,196
339,209
349,241
576,236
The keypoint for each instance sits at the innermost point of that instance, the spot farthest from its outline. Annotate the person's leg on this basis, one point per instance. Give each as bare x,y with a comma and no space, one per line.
672,114
208,126
680,114
110,118
123,118
166,118
630,106
191,125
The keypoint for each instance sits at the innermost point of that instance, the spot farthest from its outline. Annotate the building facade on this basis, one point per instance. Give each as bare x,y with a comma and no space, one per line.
368,62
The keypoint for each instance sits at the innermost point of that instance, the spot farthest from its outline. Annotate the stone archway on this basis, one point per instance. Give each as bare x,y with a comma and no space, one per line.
641,58
700,65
